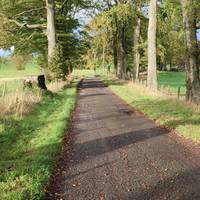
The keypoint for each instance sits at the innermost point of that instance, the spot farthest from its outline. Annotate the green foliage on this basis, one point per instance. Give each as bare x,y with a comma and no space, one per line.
105,32
58,68
24,39
171,47
42,61
20,61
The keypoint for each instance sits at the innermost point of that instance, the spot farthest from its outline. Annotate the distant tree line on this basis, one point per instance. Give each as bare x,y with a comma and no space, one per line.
133,35
146,36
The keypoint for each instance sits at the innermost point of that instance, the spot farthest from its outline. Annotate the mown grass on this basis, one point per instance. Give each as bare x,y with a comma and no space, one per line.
173,80
169,112
9,70
29,146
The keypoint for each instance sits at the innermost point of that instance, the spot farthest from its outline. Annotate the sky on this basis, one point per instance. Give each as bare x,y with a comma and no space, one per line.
198,34
5,53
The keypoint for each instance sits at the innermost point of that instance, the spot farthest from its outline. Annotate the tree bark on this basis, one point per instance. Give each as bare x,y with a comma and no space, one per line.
51,30
192,70
41,82
121,55
152,57
103,57
115,60
136,38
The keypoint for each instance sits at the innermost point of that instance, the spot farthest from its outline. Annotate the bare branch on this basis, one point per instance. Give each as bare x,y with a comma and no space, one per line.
24,25
30,26
28,11
63,4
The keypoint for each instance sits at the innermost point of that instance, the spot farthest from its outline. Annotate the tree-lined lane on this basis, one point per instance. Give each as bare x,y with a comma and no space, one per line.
120,154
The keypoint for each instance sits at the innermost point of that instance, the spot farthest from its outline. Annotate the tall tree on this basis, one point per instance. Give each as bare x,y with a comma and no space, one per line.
51,30
36,27
192,68
152,61
136,38
121,54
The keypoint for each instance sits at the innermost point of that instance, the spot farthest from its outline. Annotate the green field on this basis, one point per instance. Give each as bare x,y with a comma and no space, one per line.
8,73
172,80
8,70
10,78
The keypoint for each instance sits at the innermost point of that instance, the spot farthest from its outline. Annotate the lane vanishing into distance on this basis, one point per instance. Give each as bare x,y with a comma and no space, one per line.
118,153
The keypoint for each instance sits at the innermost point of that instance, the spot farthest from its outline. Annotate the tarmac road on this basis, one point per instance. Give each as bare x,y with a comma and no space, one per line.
116,153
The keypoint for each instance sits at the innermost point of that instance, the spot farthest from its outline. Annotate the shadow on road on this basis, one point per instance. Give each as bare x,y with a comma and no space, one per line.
183,185
96,147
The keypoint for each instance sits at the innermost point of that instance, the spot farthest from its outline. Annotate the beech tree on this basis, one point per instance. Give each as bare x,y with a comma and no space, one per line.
51,29
41,27
192,64
136,40
152,55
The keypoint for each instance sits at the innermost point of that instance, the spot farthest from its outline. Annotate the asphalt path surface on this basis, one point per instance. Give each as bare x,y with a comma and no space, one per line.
116,153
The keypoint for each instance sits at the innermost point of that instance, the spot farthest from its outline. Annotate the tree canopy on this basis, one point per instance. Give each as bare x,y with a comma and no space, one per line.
120,34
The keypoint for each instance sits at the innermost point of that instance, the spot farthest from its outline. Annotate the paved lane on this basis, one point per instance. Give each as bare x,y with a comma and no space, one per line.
120,154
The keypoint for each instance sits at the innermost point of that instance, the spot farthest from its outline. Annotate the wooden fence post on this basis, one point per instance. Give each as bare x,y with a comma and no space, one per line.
41,82
179,92
4,89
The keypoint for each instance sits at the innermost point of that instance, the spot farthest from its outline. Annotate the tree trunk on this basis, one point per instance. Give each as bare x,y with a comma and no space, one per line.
152,57
41,82
192,70
103,57
51,30
136,38
115,50
121,55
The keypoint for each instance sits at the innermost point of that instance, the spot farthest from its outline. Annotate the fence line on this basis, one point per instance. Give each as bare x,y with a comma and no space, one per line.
164,89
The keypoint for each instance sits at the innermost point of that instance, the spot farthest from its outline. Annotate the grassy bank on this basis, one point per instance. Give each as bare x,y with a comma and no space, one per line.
169,112
29,146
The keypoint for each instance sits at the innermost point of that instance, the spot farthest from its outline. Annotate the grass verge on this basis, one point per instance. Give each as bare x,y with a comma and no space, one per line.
172,113
30,144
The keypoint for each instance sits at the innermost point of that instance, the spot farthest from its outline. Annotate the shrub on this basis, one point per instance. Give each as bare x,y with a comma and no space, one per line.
58,66
19,61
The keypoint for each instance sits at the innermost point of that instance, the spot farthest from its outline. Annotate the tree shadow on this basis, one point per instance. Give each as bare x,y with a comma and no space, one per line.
100,146
121,114
91,83
94,95
174,112
183,185
94,83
